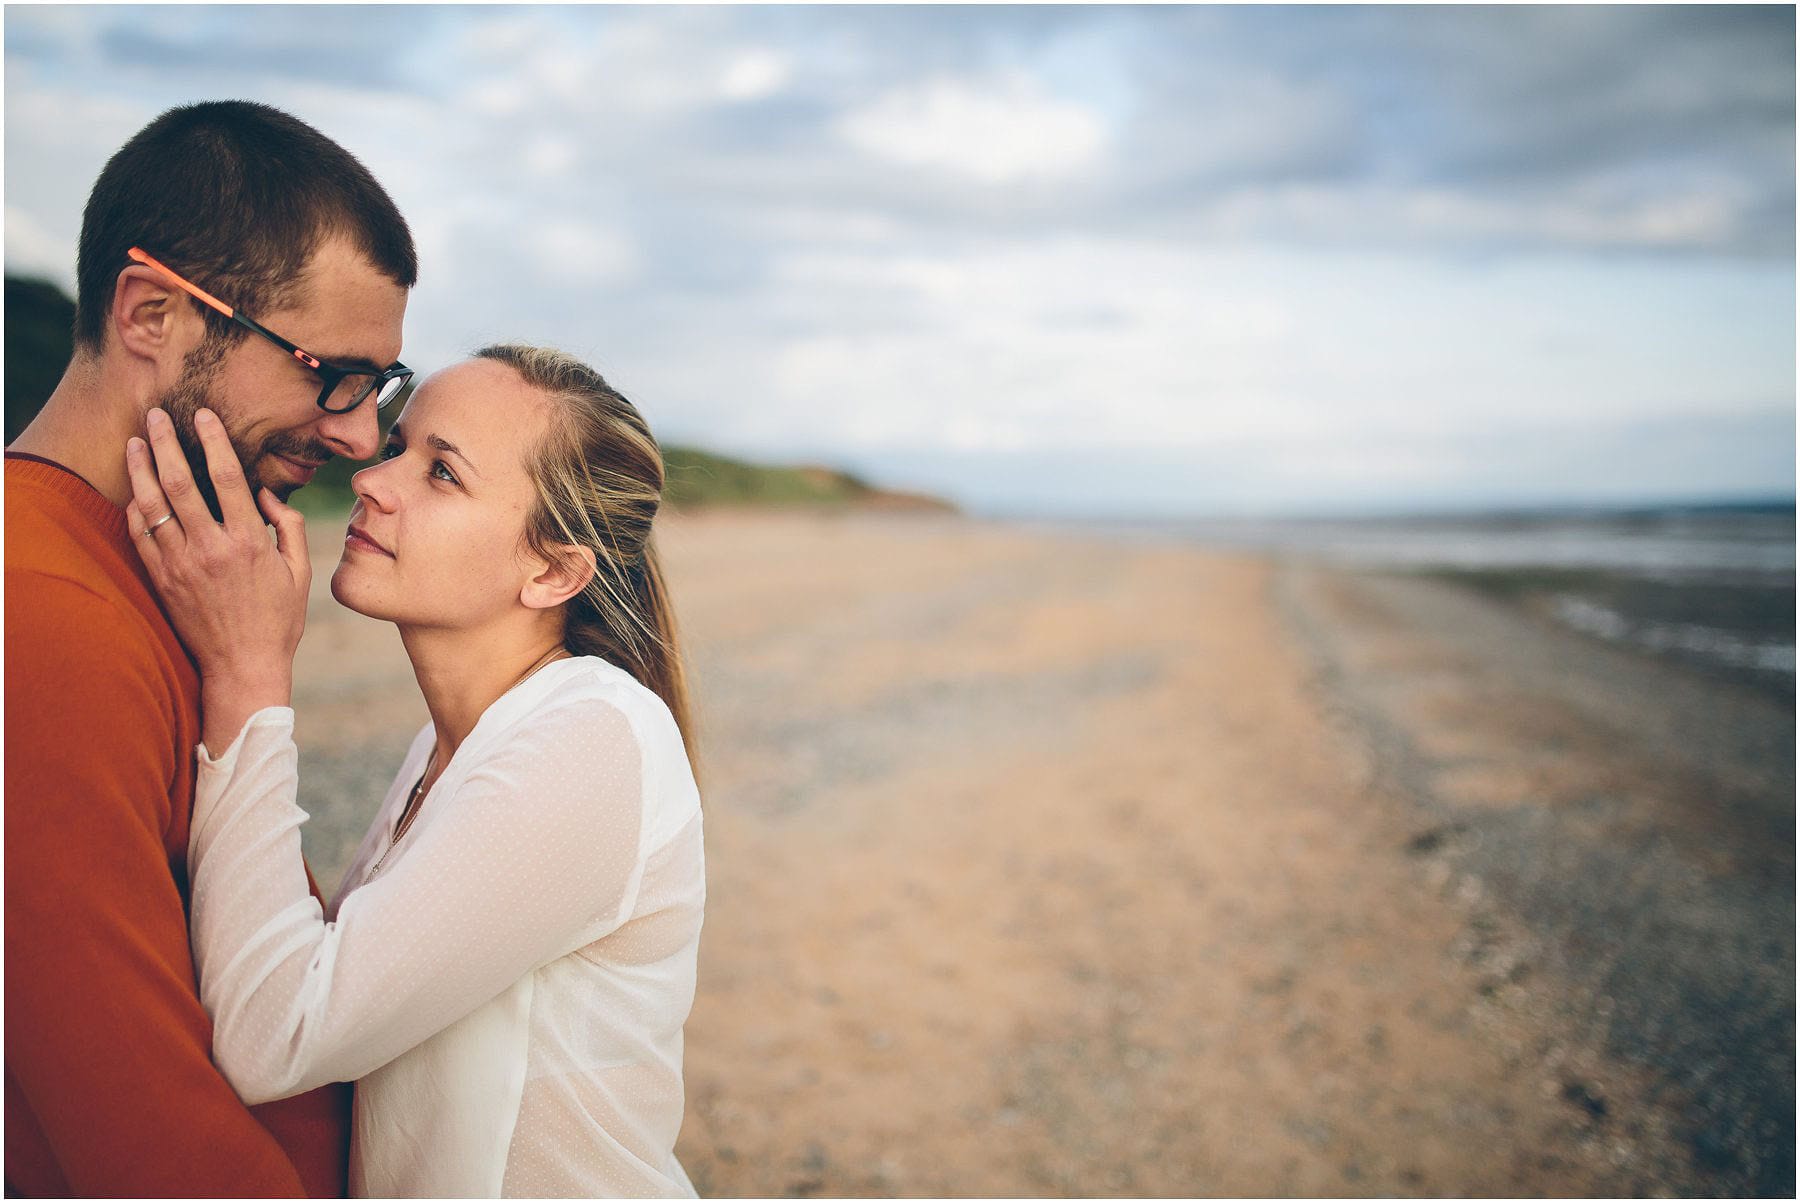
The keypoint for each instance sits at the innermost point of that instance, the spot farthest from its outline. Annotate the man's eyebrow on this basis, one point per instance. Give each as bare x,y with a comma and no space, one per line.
356,362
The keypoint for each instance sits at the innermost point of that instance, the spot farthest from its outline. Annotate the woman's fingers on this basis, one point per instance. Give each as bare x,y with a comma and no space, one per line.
290,534
146,544
147,496
238,604
173,474
235,503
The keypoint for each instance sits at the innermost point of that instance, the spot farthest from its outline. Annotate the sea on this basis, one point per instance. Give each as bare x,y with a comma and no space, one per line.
1709,586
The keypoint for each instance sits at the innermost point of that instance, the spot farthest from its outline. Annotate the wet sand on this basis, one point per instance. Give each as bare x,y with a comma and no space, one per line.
1042,865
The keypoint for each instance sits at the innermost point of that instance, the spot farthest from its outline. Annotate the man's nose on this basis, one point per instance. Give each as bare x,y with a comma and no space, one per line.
353,435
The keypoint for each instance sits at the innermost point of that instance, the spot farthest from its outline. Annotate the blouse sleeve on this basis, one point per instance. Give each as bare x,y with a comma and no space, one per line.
534,855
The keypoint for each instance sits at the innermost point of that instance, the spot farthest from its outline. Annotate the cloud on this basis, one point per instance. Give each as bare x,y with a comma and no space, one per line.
1553,90
550,155
1632,111
1263,249
754,74
1613,462
583,252
1661,129
995,132
33,251
56,144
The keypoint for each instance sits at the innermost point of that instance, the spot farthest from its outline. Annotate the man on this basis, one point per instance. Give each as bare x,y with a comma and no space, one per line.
211,209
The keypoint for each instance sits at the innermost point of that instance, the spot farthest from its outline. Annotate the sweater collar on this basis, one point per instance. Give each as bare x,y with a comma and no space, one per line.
84,498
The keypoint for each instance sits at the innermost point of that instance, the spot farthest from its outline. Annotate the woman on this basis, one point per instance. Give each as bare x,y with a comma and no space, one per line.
508,964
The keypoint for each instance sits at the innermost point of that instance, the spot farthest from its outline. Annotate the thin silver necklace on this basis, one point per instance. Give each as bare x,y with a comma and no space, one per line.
411,810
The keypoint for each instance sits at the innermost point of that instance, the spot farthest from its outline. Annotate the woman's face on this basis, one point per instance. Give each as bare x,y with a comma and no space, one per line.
435,534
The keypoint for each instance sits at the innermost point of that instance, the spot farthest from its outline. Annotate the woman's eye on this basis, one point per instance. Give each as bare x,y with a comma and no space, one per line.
440,467
390,451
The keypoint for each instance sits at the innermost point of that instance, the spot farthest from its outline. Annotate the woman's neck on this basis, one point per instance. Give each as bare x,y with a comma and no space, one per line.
462,673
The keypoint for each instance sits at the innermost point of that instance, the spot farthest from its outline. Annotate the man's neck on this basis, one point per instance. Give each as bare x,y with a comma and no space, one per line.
84,430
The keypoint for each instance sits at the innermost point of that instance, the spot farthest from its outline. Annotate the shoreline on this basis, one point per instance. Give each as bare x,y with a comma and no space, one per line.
1064,865
1727,621
1619,821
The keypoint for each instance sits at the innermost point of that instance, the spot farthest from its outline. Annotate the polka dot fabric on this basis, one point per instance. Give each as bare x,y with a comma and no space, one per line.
508,983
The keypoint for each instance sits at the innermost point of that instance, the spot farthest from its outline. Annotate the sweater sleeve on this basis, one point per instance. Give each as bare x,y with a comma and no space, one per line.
105,1036
535,854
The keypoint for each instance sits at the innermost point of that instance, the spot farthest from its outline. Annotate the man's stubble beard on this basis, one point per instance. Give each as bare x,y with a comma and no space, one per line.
194,392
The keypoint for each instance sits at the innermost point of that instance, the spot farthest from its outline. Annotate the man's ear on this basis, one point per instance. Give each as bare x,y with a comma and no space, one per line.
148,317
561,578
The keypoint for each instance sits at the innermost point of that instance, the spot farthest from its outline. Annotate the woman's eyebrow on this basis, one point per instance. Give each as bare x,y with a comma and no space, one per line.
444,444
438,441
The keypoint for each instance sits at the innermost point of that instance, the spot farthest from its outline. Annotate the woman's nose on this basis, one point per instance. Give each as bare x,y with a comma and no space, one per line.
370,486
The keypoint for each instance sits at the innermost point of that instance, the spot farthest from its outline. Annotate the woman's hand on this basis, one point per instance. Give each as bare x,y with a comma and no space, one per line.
237,599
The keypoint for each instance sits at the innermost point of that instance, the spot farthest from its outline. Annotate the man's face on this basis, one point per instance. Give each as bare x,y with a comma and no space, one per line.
348,313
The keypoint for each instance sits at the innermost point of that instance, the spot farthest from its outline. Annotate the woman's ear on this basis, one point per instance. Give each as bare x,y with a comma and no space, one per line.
562,577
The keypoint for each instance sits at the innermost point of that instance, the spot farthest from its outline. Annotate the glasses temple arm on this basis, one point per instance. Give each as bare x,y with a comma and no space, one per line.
207,298
283,343
194,290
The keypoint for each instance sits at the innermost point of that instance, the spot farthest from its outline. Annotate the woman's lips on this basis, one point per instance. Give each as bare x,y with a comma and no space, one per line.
355,539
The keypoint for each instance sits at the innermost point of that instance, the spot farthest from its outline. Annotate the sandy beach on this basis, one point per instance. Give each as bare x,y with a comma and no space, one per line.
1045,865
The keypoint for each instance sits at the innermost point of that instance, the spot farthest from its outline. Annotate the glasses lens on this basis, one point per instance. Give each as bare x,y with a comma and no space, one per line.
349,391
390,388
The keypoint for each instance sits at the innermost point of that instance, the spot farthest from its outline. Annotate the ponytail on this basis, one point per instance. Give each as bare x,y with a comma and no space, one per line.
599,477
655,661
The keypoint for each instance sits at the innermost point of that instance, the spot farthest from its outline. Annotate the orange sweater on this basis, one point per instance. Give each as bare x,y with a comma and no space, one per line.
110,1086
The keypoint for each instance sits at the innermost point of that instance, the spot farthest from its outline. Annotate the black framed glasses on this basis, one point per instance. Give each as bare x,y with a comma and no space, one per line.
343,389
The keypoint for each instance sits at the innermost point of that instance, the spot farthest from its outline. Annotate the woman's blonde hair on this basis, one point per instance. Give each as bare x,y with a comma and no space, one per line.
599,479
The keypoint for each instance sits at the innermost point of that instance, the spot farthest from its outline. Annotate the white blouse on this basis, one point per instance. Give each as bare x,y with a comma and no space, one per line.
507,987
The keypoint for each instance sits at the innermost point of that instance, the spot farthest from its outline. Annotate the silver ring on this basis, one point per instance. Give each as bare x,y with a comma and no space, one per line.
156,524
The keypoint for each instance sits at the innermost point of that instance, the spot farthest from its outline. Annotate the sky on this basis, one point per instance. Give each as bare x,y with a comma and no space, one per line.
1105,261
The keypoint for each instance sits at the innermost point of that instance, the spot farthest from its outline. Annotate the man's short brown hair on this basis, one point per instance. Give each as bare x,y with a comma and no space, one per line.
236,196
